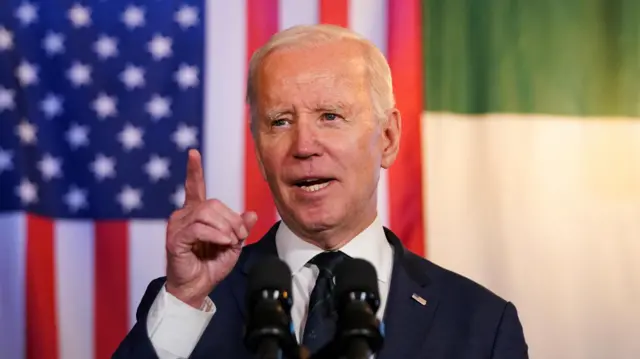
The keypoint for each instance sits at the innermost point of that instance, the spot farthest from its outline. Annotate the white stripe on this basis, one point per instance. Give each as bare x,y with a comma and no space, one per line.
369,19
147,259
12,280
74,265
296,12
545,211
224,123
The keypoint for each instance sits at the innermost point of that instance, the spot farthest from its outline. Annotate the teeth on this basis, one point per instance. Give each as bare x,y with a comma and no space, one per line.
315,187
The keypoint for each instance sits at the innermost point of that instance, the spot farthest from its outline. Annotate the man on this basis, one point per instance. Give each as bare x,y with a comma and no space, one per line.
324,123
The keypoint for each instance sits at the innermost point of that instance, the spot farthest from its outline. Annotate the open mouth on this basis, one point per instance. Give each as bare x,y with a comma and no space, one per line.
313,184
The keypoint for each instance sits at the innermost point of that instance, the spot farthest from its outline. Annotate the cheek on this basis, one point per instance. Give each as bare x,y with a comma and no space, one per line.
270,156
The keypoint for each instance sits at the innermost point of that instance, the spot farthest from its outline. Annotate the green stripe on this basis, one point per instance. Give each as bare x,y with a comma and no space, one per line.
565,57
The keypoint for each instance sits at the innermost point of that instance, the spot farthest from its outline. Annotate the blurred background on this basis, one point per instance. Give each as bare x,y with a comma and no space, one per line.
519,167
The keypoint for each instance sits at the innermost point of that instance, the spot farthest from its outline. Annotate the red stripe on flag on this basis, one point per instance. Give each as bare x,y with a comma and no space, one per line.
262,22
334,12
41,304
405,176
111,286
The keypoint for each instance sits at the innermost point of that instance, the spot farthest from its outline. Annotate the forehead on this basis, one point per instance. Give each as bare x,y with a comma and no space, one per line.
321,73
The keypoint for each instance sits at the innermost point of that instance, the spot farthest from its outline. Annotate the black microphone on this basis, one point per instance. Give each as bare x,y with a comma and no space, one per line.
268,329
357,300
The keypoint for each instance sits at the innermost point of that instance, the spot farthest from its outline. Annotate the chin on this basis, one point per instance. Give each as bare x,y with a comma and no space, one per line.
316,219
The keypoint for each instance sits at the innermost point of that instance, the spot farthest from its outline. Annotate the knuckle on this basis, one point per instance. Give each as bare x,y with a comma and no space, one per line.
175,215
215,203
236,220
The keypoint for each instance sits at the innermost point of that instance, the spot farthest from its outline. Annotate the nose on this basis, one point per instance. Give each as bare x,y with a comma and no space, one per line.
305,141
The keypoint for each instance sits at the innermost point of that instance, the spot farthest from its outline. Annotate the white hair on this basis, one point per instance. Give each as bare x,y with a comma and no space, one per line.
378,71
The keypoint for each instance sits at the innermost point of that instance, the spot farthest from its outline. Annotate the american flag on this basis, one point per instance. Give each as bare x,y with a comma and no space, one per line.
99,103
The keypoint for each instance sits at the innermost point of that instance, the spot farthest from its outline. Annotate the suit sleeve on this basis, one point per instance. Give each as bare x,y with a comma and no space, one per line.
164,328
510,342
137,343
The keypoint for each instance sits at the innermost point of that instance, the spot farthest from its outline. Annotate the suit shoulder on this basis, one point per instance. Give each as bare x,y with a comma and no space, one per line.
456,285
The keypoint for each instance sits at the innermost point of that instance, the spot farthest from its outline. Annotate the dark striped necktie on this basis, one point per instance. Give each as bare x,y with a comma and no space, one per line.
320,326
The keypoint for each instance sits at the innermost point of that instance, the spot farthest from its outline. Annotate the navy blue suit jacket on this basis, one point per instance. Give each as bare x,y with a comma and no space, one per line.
460,319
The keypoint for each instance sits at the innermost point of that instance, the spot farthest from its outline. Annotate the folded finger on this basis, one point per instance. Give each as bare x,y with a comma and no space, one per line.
202,232
218,215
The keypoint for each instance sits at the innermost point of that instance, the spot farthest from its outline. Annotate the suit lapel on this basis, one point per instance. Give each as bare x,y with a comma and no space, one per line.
410,306
406,320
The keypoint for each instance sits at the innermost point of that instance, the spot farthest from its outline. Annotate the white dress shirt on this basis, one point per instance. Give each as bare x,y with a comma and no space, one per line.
175,328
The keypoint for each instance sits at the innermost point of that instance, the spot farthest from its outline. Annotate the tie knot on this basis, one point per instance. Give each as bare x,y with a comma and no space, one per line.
327,261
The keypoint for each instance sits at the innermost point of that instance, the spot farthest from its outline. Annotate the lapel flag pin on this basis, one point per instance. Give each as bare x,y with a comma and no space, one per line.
419,299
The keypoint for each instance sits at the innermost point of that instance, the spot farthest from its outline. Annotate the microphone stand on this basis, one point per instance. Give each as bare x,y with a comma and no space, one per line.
269,349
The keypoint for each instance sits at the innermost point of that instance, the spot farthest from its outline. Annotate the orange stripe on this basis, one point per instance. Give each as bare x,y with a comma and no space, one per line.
405,176
262,22
334,12
111,286
41,304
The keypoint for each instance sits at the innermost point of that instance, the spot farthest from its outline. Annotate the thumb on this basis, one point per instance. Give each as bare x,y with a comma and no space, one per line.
250,218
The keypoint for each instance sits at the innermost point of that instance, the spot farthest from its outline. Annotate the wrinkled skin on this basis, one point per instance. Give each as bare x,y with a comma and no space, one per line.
204,240
316,121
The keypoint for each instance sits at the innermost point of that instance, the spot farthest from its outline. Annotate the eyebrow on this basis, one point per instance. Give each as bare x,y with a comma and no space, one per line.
273,115
332,105
325,106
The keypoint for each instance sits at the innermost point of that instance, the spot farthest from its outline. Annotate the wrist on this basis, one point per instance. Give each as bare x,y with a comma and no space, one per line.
192,299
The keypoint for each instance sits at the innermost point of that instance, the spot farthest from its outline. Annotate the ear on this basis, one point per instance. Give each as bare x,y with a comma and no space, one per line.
391,132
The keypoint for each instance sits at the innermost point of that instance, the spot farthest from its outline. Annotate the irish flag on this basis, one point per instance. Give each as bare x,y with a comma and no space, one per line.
531,150
519,164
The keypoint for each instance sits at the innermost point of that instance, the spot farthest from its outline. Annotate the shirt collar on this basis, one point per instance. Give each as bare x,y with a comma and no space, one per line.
370,245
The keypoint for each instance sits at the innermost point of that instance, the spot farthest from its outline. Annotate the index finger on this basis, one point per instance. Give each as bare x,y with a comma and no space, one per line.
194,187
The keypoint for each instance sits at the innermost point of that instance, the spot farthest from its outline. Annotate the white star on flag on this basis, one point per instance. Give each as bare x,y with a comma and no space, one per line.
27,73
132,77
186,17
106,47
75,198
6,160
103,167
77,136
159,107
50,167
160,47
53,43
26,132
80,16
186,76
51,106
185,137
79,74
27,13
27,191
157,168
133,17
130,137
6,99
130,198
177,197
6,39
105,106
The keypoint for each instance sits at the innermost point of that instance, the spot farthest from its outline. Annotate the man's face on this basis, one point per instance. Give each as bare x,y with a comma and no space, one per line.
318,139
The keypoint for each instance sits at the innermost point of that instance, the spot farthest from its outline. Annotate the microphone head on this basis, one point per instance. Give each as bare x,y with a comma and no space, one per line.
357,276
269,273
268,303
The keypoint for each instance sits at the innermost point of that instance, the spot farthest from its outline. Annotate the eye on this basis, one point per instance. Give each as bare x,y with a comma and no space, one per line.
330,116
278,122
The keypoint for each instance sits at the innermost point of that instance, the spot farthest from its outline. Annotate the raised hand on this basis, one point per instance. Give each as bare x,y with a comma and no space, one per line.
204,239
